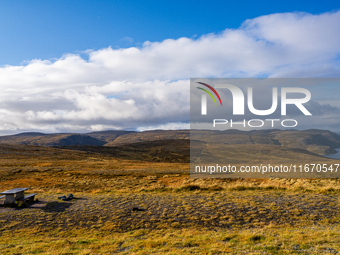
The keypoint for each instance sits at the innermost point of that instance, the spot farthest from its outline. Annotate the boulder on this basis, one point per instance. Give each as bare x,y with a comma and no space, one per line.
67,198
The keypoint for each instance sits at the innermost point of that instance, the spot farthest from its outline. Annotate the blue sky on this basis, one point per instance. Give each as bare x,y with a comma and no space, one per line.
49,29
80,66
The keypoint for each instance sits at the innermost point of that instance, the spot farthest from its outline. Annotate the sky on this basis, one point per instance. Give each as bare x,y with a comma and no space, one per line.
80,66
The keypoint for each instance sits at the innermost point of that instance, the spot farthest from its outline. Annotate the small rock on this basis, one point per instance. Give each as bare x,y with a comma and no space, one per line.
67,198
138,209
152,177
296,247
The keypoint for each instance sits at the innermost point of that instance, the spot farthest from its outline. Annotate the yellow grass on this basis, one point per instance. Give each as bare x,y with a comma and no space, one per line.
180,215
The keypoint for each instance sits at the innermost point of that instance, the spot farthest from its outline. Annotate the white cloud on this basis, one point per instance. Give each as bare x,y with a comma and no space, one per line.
127,40
149,86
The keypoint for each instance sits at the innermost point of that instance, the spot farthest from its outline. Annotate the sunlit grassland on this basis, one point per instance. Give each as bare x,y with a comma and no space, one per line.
267,240
179,215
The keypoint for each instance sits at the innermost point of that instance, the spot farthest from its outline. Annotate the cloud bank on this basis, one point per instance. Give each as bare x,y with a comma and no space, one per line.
148,87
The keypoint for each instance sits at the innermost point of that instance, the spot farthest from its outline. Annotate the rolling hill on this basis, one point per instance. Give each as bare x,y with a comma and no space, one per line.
40,139
320,142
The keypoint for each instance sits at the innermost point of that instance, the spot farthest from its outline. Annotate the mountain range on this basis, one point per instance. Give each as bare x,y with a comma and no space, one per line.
174,145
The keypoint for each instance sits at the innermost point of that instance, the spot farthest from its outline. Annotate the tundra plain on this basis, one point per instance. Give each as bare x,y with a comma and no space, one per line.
134,195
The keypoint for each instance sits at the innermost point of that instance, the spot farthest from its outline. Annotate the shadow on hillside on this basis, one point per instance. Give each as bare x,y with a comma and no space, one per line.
46,207
59,205
56,206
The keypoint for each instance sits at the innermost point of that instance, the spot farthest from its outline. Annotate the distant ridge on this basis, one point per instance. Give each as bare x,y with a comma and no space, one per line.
316,141
109,135
30,134
50,139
